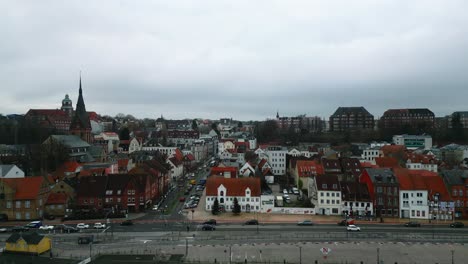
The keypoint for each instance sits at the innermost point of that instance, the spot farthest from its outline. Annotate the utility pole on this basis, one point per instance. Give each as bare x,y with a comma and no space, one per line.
186,247
378,255
453,251
230,254
300,255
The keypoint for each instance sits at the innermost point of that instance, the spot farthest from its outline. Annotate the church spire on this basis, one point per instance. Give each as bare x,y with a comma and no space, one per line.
80,125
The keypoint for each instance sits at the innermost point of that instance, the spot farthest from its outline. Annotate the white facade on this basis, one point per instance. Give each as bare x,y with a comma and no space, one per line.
168,151
176,171
304,153
421,166
134,145
414,204
247,202
370,154
413,141
277,159
11,171
329,202
222,146
361,207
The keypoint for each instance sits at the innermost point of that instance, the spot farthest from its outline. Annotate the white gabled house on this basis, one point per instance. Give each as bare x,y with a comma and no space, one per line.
326,193
246,190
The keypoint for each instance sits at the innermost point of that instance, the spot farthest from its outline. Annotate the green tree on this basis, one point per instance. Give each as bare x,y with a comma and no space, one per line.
239,125
215,208
124,134
457,128
237,209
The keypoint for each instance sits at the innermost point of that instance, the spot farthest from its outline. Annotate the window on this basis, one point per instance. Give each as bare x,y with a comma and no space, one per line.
345,203
321,193
328,201
335,186
141,199
460,192
335,210
118,192
248,199
454,193
118,200
324,186
412,213
27,204
333,194
379,189
129,200
328,194
60,206
18,216
107,200
405,195
333,201
111,199
321,201
423,213
8,204
85,201
337,194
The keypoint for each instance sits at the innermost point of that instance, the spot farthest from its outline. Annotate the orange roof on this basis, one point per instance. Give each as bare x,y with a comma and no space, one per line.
421,158
422,180
57,198
71,166
178,154
306,168
368,164
222,170
387,162
26,188
234,186
392,149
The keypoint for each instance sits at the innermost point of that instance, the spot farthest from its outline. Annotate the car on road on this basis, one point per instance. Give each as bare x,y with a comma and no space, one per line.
99,226
353,228
127,223
3,230
251,222
305,223
82,226
181,199
66,228
20,229
210,222
207,227
34,224
285,191
295,191
46,227
457,225
413,224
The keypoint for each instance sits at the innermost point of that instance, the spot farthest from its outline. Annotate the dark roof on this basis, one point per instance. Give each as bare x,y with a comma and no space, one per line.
461,113
30,238
382,175
329,180
410,111
354,191
351,110
70,141
118,181
454,177
94,186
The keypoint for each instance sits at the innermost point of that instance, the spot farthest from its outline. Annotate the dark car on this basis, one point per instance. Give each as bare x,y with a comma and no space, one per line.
206,227
413,224
305,223
126,223
66,228
85,239
20,229
457,224
210,222
251,222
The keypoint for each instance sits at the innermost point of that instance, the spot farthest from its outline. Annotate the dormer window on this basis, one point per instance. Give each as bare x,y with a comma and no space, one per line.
324,186
247,192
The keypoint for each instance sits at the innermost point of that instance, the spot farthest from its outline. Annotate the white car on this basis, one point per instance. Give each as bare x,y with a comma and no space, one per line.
99,226
82,226
3,230
46,227
295,191
353,228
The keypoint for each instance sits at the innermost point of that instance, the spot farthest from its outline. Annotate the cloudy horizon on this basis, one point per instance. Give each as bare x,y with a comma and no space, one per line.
244,59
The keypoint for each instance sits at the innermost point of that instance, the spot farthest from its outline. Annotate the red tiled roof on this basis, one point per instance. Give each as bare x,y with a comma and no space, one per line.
387,162
190,157
368,164
307,168
57,198
222,170
123,163
234,186
422,180
47,112
93,116
178,154
421,158
71,166
26,188
262,163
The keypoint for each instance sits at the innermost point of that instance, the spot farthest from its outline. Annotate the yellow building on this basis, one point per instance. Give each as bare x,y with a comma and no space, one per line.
28,243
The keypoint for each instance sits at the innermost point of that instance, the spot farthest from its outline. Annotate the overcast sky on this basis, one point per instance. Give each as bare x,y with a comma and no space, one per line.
239,59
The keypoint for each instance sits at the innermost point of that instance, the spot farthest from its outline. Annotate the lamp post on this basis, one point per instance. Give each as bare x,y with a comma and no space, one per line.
300,255
378,255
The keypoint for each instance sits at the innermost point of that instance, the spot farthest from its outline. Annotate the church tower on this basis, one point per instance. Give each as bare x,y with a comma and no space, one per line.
67,106
80,125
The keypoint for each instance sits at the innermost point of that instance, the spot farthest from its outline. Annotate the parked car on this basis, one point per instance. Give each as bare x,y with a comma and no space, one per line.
305,223
413,224
295,191
251,222
345,222
46,227
182,199
457,225
20,229
34,224
82,226
99,226
285,191
66,228
210,222
353,228
3,230
127,223
207,227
